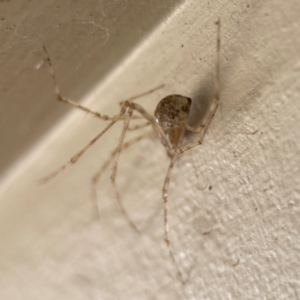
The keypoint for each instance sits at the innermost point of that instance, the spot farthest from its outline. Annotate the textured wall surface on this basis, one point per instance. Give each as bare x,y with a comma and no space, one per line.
234,202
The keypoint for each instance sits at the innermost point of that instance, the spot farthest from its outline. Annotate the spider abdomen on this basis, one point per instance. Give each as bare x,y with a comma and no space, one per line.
172,111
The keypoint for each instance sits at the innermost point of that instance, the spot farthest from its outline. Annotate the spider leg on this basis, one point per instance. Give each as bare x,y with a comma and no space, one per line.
97,176
205,124
65,100
207,121
133,106
142,94
115,166
165,197
74,159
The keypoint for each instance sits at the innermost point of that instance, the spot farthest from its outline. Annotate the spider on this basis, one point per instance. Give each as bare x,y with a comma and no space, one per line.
169,124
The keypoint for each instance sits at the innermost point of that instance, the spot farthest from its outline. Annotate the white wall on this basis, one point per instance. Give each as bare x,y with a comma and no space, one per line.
237,240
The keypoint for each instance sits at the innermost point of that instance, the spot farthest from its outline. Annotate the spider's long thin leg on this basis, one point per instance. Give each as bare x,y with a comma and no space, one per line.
74,159
165,197
65,100
97,176
115,167
142,94
205,124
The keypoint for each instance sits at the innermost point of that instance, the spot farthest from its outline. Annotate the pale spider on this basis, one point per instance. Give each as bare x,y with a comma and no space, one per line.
169,124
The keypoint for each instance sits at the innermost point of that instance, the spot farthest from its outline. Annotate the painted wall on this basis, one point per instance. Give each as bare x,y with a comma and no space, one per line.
233,201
